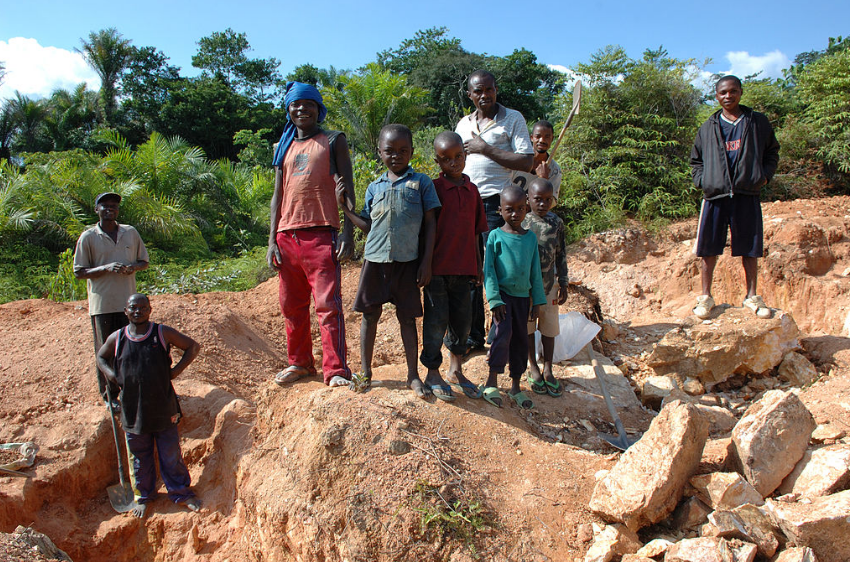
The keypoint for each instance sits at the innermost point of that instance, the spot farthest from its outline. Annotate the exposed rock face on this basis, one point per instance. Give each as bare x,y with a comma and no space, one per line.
647,483
733,342
771,438
710,549
797,370
611,543
655,389
823,525
797,554
725,490
806,244
654,548
690,514
819,473
720,420
747,523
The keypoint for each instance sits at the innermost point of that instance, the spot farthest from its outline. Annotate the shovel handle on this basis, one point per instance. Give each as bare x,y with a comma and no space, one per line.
600,376
121,477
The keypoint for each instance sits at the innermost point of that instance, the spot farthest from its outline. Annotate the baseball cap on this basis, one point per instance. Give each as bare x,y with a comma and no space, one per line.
107,195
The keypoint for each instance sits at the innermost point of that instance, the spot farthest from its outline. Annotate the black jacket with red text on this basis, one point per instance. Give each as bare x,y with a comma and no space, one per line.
754,167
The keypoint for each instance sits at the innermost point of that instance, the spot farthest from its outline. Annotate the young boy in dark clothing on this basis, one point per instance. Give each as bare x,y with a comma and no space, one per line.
456,264
549,229
511,276
735,154
137,358
397,206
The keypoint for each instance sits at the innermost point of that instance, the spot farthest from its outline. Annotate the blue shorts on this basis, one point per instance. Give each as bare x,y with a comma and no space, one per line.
742,215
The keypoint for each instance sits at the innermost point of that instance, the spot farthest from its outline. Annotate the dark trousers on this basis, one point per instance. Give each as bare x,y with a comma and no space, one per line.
510,338
102,326
171,466
477,333
447,300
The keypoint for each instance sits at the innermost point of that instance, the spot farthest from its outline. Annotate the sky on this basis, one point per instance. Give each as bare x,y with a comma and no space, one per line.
38,38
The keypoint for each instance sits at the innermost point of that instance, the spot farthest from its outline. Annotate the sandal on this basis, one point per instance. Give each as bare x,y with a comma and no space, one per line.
539,387
292,374
756,304
469,389
521,400
491,394
553,388
443,392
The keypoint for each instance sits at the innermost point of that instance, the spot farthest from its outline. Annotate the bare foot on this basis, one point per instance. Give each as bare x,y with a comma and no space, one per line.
140,510
418,388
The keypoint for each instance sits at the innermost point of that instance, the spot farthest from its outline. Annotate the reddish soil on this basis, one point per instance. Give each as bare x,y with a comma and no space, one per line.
318,474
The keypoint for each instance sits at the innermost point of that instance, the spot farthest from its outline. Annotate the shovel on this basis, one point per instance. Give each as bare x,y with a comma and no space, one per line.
622,441
573,113
121,495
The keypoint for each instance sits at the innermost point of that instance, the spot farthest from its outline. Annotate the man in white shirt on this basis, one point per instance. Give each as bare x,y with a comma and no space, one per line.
496,142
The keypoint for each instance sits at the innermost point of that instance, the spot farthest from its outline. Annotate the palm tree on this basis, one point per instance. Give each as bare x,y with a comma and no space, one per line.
108,53
71,117
371,99
27,117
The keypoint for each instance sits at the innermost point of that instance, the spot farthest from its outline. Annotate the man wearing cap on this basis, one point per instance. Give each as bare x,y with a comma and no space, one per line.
107,256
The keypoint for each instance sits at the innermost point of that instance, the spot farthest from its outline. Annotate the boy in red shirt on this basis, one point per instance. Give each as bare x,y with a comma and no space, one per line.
456,265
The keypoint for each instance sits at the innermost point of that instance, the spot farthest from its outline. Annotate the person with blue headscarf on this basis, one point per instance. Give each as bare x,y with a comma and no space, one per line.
305,245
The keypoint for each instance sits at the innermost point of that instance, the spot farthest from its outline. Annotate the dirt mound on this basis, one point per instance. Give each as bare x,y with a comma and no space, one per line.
310,473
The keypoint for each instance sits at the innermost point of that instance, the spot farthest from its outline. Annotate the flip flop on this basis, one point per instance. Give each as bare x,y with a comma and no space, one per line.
521,400
553,388
491,393
469,390
443,392
292,374
539,387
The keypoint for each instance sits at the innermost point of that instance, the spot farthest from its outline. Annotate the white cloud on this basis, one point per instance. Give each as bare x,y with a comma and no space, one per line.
36,71
745,64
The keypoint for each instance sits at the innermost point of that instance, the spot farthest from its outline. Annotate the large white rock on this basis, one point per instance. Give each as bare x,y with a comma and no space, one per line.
654,548
720,420
612,542
734,342
647,482
797,370
655,389
747,523
771,438
819,473
822,524
725,490
797,554
710,549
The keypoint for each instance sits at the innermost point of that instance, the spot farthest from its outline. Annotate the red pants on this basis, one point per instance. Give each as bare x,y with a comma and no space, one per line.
309,266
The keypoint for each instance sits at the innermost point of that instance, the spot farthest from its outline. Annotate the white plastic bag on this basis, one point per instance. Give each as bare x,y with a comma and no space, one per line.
576,332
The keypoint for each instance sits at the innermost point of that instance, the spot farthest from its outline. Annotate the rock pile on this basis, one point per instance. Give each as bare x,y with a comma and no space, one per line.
658,490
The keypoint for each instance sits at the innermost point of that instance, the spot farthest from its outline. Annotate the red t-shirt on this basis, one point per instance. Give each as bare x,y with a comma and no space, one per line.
308,197
459,222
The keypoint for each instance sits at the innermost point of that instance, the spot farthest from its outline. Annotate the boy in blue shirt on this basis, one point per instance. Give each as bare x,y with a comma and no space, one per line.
511,276
398,206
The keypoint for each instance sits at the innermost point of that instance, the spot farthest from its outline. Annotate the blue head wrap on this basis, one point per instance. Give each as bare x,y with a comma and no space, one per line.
296,91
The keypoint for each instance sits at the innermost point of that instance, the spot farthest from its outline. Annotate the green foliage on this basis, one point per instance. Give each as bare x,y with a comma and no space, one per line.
64,286
825,88
108,53
25,271
168,275
458,518
369,100
257,151
627,153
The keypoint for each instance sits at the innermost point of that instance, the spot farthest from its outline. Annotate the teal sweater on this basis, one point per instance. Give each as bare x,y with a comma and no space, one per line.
512,266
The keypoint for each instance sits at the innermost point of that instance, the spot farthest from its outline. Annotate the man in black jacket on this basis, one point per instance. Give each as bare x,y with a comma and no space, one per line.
734,155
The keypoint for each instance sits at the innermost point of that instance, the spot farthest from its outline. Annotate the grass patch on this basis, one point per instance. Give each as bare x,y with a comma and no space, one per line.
448,515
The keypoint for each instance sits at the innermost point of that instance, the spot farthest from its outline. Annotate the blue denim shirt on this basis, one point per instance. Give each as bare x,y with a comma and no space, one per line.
396,210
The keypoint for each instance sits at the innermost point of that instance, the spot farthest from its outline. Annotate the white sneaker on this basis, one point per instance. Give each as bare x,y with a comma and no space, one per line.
756,304
704,305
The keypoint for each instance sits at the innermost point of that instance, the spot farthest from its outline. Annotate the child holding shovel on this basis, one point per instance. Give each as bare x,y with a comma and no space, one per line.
137,358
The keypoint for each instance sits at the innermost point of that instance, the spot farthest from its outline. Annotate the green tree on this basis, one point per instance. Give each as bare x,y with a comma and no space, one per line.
27,117
71,117
526,85
825,89
371,99
147,85
108,53
224,54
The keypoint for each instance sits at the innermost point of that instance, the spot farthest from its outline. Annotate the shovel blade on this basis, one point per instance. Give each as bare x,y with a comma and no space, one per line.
121,497
621,443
